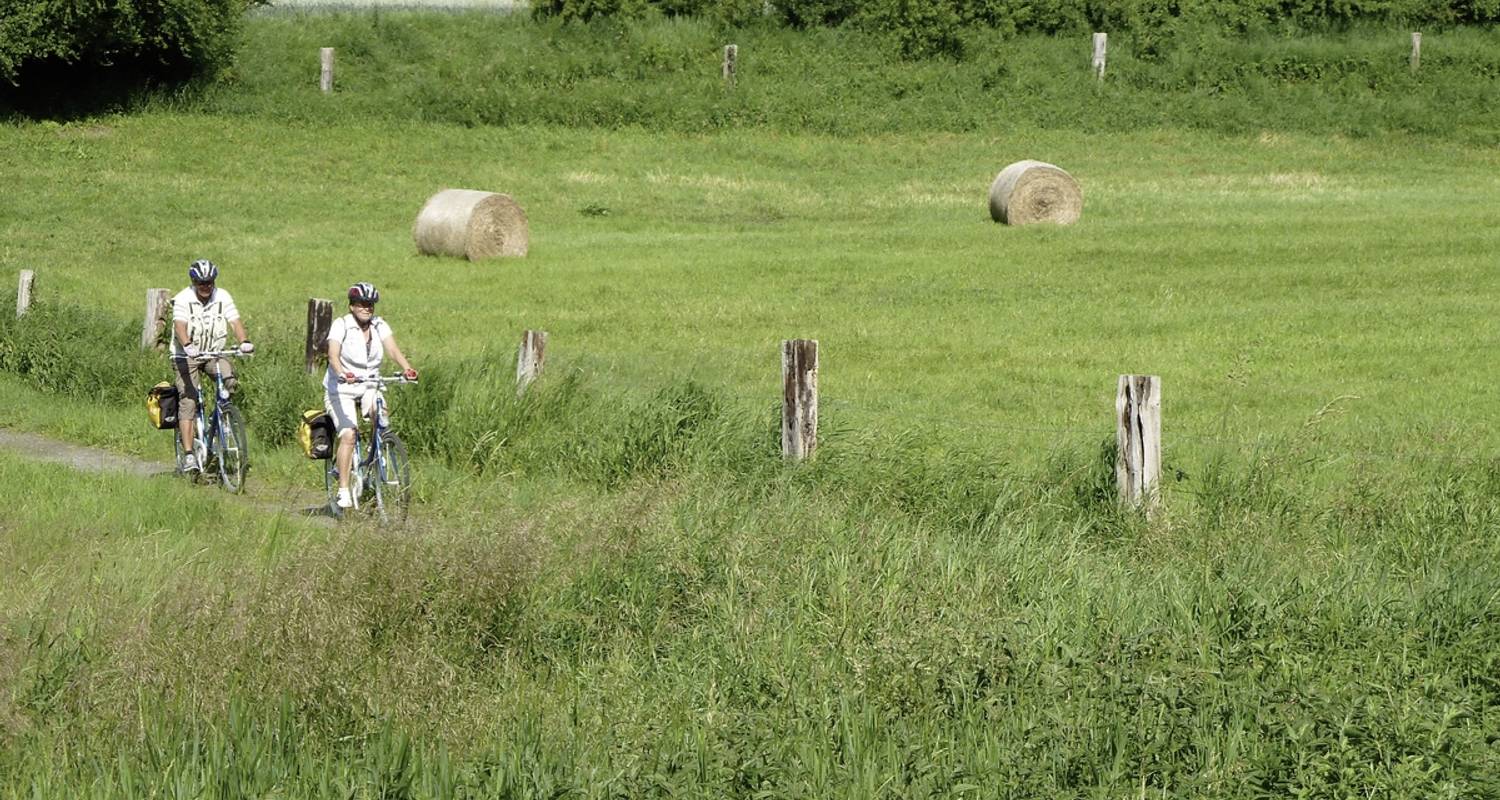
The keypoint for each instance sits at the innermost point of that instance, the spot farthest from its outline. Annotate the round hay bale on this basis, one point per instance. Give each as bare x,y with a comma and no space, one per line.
1035,191
471,224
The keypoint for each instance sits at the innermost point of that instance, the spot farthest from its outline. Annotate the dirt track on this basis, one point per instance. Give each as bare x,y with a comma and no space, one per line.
89,459
85,459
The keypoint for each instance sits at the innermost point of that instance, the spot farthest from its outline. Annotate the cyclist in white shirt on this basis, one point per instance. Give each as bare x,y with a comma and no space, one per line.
202,315
357,345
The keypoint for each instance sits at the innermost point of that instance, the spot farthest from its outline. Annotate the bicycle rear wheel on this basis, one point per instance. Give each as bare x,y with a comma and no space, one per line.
393,482
233,449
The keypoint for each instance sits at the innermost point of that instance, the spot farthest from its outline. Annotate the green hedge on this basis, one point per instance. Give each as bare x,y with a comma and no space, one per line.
481,68
937,21
50,47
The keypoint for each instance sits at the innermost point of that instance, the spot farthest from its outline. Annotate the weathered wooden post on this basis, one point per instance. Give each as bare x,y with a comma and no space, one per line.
1138,439
731,53
325,77
1416,50
158,312
319,320
1101,44
799,399
529,359
23,292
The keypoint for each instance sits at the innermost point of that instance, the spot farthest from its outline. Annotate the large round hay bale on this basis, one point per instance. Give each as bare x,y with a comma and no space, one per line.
471,224
1035,191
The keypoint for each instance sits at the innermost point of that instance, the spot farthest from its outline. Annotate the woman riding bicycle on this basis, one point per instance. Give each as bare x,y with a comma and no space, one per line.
357,345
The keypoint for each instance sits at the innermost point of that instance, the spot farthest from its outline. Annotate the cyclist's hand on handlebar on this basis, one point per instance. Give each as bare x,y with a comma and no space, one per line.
190,350
410,374
246,348
350,377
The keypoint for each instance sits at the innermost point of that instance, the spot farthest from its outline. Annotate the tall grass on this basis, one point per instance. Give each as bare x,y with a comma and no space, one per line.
82,352
622,591
487,69
786,639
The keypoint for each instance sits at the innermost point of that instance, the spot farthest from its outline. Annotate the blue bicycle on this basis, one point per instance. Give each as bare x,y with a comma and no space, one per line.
380,480
220,446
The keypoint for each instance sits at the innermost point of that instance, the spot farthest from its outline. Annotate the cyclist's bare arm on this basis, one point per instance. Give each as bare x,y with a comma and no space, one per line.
179,328
239,330
334,350
390,345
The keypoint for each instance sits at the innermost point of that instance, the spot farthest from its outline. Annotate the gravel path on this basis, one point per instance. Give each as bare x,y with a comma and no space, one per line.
89,459
84,459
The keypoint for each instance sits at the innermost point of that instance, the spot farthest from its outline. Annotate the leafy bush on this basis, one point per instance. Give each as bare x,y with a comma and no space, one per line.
929,27
112,46
921,28
664,74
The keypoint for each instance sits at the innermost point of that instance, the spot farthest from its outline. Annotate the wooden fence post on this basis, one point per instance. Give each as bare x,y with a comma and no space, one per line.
799,398
731,53
23,292
529,359
1138,439
325,76
158,313
319,320
1101,44
1416,50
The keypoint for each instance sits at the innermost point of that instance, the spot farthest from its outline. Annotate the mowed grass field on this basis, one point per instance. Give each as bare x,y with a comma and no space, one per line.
881,623
1272,281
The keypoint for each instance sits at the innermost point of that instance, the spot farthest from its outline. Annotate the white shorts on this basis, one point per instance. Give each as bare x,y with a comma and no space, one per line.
346,408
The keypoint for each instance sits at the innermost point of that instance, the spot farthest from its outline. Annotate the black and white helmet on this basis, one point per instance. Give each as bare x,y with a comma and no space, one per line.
203,271
364,292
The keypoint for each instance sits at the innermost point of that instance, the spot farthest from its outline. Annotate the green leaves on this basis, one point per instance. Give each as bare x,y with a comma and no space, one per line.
63,46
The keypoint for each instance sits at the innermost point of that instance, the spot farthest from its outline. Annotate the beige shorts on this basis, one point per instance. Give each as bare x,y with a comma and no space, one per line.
189,382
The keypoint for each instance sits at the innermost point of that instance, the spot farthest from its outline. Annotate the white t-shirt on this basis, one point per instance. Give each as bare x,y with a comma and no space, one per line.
363,358
207,323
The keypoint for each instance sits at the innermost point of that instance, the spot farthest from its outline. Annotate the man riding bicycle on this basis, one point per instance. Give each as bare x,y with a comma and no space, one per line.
201,317
357,345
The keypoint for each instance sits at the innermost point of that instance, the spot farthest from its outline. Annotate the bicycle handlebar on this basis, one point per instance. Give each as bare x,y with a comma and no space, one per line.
209,355
379,380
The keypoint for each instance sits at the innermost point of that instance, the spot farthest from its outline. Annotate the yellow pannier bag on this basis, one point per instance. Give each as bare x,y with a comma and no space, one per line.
315,433
161,406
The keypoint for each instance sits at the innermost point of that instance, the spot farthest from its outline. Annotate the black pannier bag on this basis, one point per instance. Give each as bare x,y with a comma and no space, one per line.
315,434
161,406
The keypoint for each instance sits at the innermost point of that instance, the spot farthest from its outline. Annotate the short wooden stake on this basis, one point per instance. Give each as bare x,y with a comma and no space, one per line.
319,320
23,292
1101,44
799,399
158,312
325,77
1138,438
529,359
731,53
1416,50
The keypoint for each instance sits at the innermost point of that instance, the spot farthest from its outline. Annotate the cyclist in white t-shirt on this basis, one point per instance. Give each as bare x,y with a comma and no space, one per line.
202,315
357,345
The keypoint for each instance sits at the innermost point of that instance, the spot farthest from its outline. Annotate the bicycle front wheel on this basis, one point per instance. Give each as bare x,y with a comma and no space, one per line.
233,449
393,481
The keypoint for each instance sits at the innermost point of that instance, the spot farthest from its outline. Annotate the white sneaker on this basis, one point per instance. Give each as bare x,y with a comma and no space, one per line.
345,499
189,463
